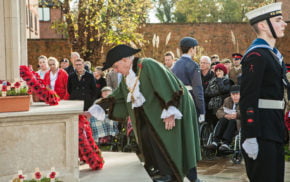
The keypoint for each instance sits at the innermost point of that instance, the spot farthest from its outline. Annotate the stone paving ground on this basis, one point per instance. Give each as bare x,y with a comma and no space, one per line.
125,167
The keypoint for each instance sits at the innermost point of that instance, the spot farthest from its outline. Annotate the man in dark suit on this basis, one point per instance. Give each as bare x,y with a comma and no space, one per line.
261,104
82,85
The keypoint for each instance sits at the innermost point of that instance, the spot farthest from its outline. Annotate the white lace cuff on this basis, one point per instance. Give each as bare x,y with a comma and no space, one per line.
97,111
171,111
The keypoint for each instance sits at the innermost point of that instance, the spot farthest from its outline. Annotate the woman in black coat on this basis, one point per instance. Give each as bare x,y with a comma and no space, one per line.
217,90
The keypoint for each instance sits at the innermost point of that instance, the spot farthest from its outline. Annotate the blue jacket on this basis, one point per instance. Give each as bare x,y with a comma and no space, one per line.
188,72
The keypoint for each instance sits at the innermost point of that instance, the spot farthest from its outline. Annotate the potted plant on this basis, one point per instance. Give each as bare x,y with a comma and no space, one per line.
14,96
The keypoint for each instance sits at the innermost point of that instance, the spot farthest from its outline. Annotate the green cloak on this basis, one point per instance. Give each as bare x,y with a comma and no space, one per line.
162,89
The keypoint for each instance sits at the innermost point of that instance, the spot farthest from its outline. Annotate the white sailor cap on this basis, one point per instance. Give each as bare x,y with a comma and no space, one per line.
264,12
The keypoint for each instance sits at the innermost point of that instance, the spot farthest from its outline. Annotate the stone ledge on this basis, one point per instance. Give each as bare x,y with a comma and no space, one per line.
40,108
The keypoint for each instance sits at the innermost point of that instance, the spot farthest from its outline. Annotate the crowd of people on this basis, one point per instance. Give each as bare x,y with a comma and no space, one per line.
244,92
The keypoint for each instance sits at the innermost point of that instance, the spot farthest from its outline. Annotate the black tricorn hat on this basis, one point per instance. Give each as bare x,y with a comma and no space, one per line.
117,53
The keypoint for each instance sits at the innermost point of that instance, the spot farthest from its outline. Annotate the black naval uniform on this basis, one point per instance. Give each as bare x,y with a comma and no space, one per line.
262,79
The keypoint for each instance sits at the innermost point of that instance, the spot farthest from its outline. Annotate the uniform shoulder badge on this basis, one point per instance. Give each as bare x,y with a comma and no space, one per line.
253,53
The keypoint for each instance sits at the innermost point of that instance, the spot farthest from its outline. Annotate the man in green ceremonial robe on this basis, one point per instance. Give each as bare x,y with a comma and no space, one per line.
162,112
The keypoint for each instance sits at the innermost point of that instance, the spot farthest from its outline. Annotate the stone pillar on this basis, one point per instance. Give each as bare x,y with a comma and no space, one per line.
13,43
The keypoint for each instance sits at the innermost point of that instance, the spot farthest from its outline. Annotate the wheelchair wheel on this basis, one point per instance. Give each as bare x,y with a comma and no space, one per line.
209,154
237,157
205,132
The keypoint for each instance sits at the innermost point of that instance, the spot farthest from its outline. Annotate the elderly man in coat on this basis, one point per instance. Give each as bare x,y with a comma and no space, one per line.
162,113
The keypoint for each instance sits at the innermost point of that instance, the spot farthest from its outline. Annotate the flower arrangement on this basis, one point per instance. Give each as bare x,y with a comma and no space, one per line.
17,88
37,176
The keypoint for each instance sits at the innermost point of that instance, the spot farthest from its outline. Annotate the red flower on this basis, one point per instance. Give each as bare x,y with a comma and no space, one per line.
52,175
4,88
1,81
20,176
29,91
140,65
8,84
17,85
37,175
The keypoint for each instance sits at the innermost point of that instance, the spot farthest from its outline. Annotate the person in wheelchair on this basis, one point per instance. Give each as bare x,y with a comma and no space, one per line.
229,116
104,130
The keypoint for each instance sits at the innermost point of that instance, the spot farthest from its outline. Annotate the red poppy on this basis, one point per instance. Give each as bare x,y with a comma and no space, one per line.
4,88
17,85
8,84
37,175
140,65
29,91
20,176
52,175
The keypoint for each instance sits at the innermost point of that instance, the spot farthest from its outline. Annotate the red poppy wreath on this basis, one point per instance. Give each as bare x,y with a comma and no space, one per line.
37,86
88,150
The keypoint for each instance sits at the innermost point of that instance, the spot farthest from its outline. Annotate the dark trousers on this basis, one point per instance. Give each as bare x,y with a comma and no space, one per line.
225,130
269,165
211,118
152,151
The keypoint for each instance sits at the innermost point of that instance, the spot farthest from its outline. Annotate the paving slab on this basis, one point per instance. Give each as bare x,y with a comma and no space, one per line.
126,167
118,167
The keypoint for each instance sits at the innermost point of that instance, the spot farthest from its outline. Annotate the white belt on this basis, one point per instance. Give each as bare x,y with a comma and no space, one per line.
271,104
188,87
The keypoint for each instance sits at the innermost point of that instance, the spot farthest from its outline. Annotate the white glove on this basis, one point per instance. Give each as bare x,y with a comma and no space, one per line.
201,118
251,147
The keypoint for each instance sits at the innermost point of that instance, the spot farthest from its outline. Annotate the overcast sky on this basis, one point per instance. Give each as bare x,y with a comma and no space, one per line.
152,17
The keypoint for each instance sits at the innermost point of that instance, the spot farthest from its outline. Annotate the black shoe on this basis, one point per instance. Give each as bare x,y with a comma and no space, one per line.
224,147
152,171
165,178
212,146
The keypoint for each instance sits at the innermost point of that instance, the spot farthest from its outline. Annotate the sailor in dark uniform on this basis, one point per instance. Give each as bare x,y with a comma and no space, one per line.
261,104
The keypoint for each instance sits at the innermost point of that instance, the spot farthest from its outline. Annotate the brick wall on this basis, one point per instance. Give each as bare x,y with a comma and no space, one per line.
58,48
285,9
45,31
213,39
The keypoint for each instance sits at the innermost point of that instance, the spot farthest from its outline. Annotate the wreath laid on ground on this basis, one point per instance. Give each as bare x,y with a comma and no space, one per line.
37,86
88,150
